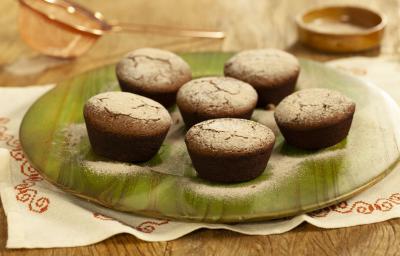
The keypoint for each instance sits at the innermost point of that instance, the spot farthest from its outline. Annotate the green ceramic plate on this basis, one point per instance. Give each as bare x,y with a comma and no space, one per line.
54,138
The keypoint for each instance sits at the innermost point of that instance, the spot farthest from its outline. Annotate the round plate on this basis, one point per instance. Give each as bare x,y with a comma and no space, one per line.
54,138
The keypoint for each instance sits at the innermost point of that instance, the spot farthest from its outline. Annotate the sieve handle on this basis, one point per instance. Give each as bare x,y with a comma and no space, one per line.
165,30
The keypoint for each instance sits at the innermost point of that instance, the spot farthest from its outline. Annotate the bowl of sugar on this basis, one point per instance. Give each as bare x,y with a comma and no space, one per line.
341,29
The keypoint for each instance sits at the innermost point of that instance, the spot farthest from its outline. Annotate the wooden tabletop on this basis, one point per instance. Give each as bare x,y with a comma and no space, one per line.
248,24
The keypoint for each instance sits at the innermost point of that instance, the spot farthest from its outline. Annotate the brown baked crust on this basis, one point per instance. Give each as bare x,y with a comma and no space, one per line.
120,130
274,95
153,73
191,118
315,118
229,150
167,99
230,169
122,147
317,138
314,108
272,72
215,97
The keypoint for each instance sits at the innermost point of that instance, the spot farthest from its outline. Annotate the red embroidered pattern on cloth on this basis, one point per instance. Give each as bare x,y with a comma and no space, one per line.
25,190
381,204
145,227
27,194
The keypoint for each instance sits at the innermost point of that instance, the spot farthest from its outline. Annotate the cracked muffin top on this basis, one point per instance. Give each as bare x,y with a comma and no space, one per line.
229,137
216,96
313,108
153,70
268,68
127,114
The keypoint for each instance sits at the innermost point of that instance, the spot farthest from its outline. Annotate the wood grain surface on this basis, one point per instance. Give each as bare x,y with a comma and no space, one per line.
249,24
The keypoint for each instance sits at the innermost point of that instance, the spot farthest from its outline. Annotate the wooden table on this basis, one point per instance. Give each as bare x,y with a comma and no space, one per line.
249,24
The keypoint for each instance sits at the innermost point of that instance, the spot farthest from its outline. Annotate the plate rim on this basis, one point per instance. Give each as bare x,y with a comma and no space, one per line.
290,213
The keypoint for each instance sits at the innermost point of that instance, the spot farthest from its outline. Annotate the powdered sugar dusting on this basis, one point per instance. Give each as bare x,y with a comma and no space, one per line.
74,137
311,107
217,94
132,105
74,133
154,69
229,135
262,67
112,168
280,168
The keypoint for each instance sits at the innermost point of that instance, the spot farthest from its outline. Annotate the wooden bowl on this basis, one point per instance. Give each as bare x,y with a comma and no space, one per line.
341,29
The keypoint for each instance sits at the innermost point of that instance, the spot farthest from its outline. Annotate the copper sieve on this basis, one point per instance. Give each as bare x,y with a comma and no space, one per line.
65,29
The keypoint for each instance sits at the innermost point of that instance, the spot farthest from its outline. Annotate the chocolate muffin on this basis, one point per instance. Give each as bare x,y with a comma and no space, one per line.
272,72
153,73
215,97
315,118
125,127
229,150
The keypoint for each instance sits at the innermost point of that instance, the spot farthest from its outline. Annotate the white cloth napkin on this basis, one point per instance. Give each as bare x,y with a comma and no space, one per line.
42,216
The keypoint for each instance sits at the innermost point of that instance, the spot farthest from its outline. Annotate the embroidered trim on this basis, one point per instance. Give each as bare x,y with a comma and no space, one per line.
362,207
145,227
25,190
